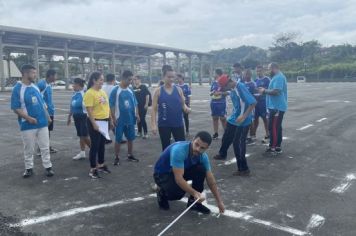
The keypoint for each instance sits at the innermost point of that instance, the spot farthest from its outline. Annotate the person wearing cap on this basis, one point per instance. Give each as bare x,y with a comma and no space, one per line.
218,104
238,123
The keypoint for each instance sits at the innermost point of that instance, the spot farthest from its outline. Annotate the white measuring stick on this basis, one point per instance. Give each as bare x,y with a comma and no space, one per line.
176,219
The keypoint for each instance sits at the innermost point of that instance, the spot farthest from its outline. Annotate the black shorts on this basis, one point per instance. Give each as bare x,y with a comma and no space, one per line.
80,122
51,125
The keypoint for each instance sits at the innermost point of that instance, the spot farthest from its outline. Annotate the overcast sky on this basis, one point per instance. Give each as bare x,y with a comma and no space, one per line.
201,25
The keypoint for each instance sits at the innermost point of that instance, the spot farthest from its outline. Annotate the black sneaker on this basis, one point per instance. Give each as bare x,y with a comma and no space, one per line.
49,172
215,136
104,169
116,161
241,173
250,141
108,142
278,150
270,150
28,173
132,158
198,207
94,174
219,157
265,140
52,150
162,200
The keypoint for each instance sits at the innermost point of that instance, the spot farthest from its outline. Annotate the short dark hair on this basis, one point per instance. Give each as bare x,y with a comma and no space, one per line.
219,72
110,77
79,81
126,74
50,72
26,67
237,65
166,68
274,65
180,76
204,136
138,77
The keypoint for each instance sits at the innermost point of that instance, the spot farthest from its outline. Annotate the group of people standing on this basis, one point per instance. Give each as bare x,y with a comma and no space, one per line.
263,98
103,106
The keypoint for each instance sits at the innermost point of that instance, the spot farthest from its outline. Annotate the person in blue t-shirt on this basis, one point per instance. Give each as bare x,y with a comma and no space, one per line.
187,94
262,81
45,87
238,124
124,112
183,161
27,102
79,113
277,105
218,104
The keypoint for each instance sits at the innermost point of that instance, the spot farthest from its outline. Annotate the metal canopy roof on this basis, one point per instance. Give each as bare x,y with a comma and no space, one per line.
22,40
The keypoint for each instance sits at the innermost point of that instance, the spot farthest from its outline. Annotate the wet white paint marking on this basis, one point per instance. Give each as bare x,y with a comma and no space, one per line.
61,109
199,101
315,221
253,220
75,211
345,184
321,120
347,101
331,101
305,127
233,160
285,138
71,178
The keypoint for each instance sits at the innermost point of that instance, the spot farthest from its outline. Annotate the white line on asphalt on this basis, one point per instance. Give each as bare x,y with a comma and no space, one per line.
347,101
321,120
62,109
75,211
214,209
345,184
232,160
305,127
60,120
315,221
253,220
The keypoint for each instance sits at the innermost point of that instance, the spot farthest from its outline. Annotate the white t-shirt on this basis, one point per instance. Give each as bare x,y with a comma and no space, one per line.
108,88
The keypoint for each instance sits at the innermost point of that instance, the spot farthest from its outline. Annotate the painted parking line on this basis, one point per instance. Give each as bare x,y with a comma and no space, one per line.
75,211
250,219
305,127
229,213
321,120
344,184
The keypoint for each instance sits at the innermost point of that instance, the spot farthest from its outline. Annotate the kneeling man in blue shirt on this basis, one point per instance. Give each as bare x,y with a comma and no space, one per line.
183,161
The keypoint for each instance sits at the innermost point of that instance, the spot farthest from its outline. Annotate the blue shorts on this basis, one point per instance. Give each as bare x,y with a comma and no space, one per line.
261,110
128,130
218,109
80,122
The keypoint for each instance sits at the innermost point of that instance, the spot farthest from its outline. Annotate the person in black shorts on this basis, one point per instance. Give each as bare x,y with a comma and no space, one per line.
79,113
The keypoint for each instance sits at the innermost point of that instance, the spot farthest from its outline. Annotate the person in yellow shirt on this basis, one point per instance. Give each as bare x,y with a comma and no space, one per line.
97,105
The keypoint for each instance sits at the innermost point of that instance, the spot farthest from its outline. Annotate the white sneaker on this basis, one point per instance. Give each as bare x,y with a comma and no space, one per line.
79,156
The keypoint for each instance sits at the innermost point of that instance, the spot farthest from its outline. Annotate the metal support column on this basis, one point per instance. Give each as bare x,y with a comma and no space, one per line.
164,58
200,70
2,72
91,59
190,70
177,62
149,71
36,59
113,65
66,67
